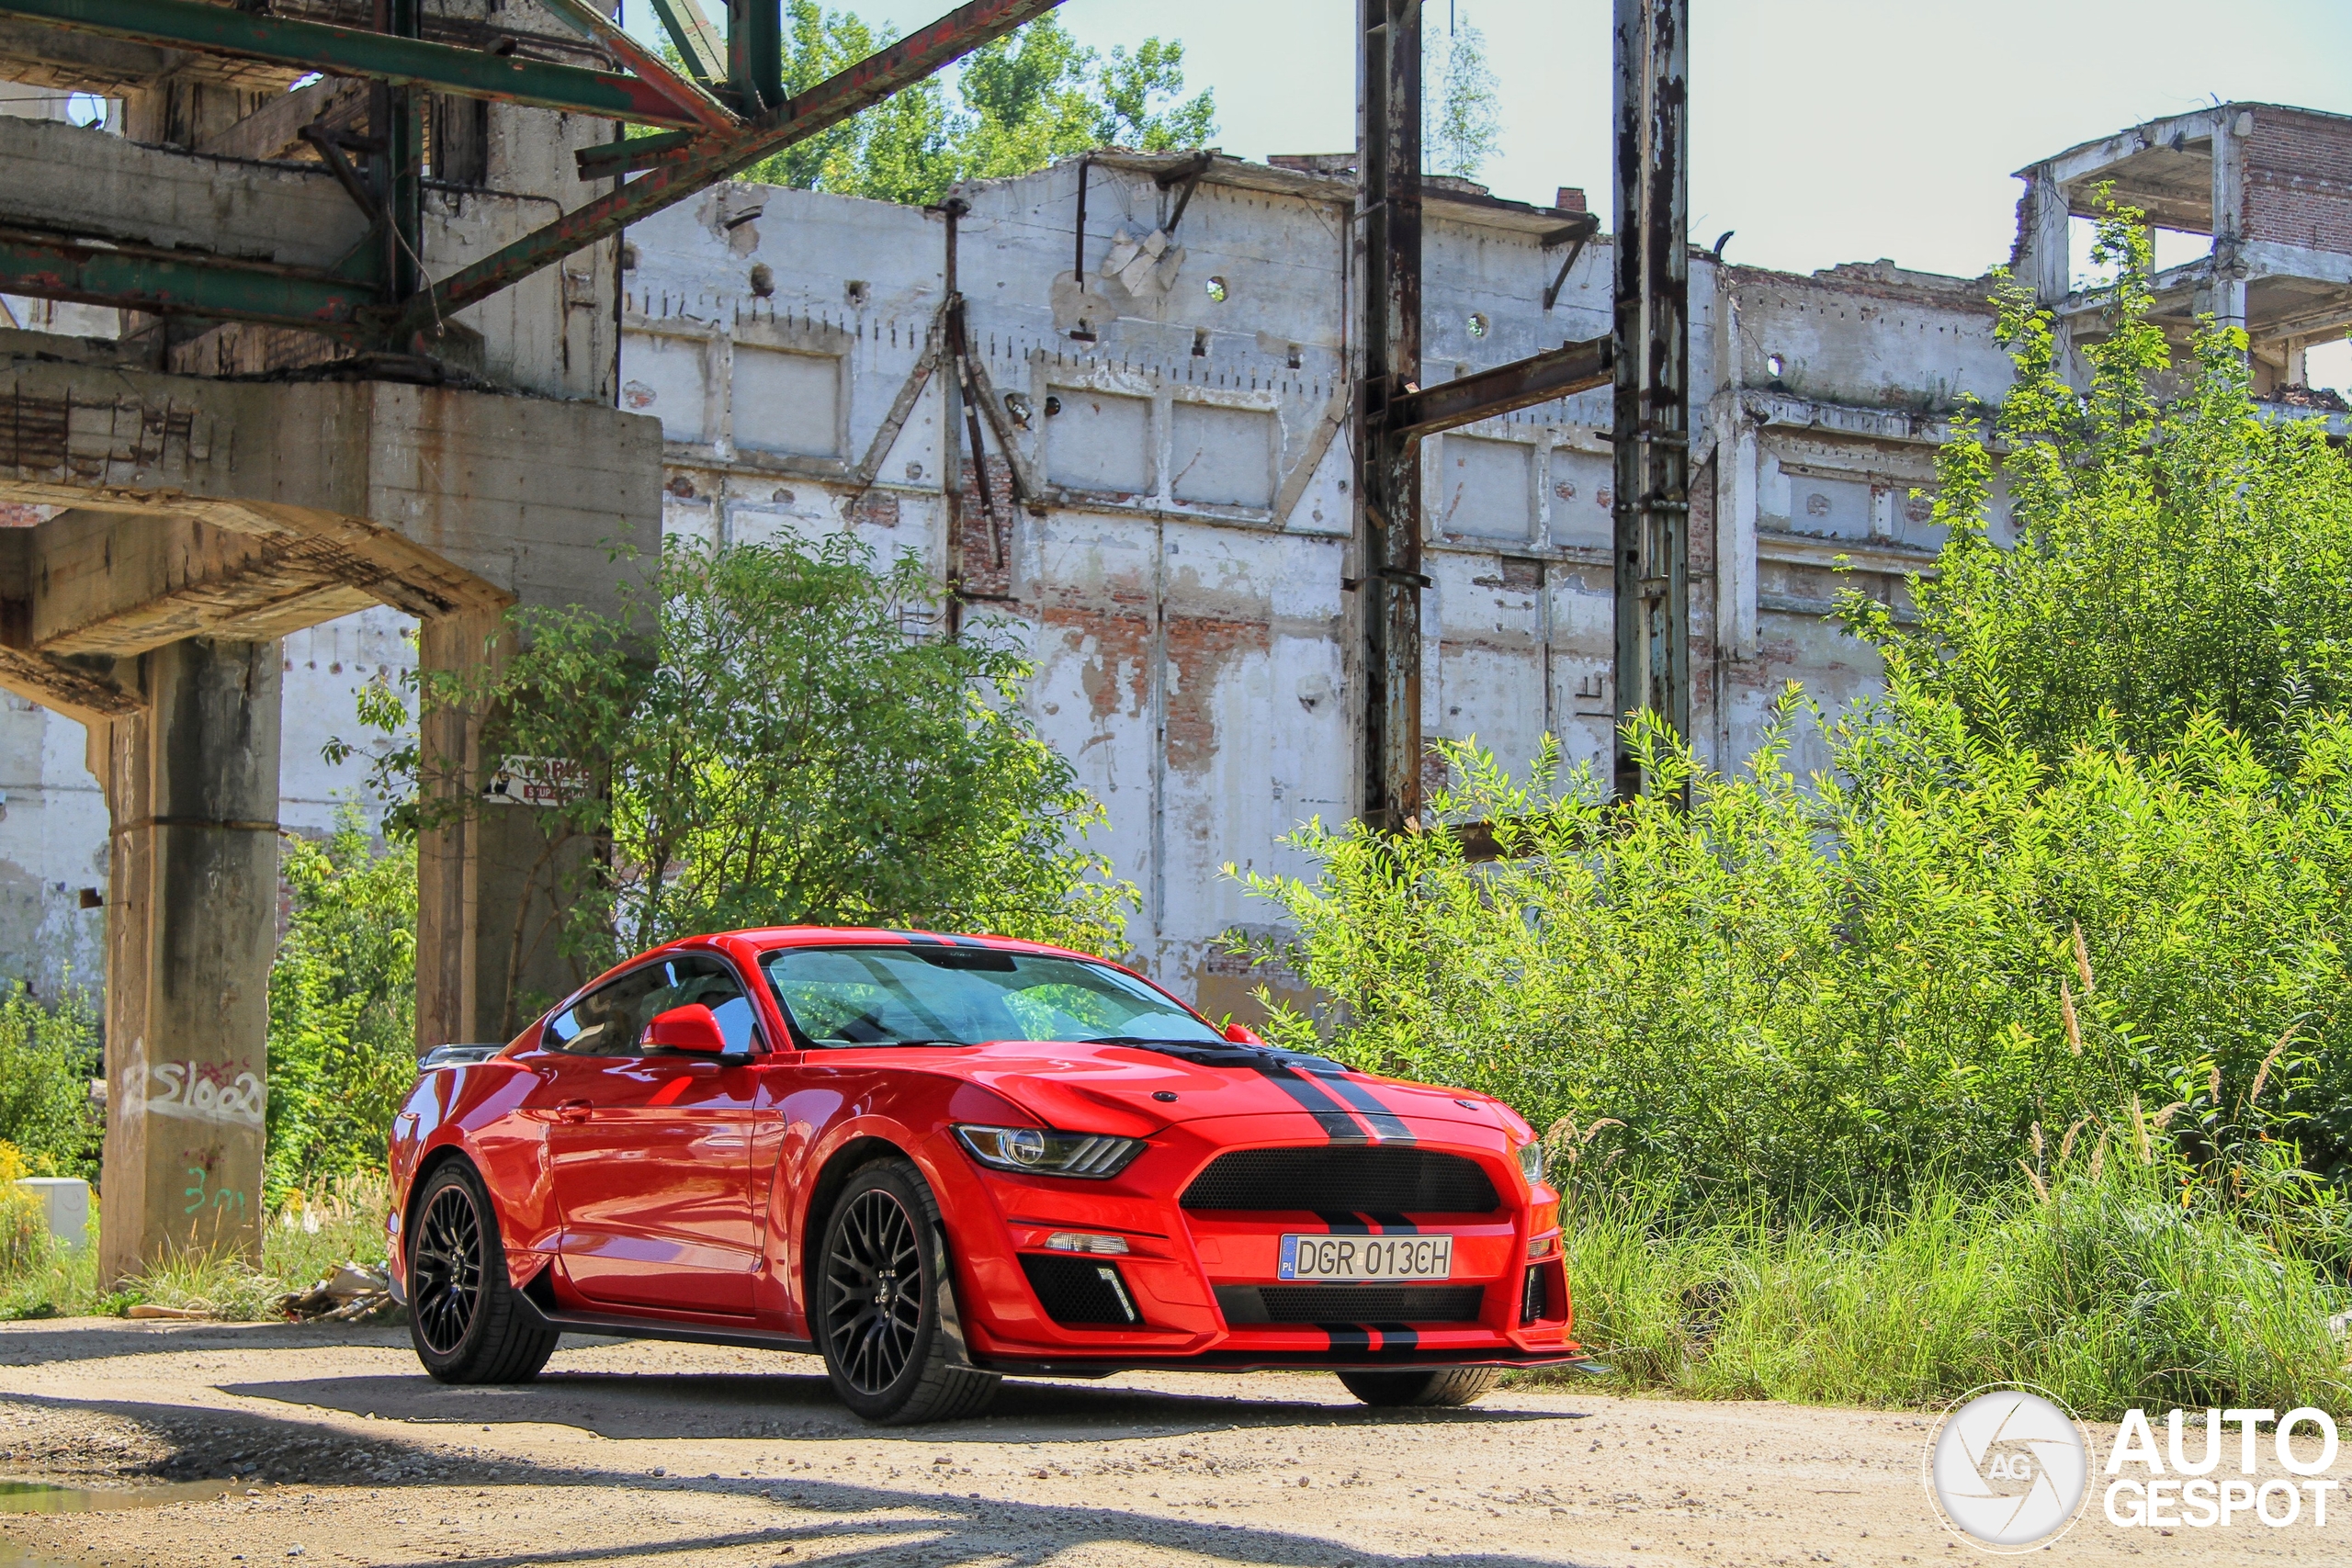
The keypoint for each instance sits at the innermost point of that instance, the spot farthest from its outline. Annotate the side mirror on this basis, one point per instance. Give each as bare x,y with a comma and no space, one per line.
1242,1035
690,1028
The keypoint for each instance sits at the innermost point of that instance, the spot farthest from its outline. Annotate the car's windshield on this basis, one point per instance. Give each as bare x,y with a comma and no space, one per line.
962,995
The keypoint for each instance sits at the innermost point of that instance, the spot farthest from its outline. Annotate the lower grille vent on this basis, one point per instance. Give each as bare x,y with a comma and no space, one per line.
1080,1291
1351,1304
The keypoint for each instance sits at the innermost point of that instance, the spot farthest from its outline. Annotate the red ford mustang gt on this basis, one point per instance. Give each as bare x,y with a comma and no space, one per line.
938,1159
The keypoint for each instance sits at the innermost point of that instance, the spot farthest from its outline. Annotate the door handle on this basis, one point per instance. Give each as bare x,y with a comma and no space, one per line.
573,1110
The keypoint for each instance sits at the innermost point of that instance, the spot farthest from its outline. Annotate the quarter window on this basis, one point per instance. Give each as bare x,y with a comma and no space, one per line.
610,1020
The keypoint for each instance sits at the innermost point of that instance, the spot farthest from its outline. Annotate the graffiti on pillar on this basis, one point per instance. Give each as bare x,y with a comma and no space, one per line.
201,1194
220,1092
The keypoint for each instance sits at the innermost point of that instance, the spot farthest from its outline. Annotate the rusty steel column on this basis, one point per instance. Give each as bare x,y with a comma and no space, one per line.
1653,365
1388,365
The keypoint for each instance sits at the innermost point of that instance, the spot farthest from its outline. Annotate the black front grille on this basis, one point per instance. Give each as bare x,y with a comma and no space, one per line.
1080,1289
1351,1304
1535,1295
1382,1178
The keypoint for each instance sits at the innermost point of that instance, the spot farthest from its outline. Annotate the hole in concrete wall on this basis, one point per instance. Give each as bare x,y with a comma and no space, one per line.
92,899
1200,345
681,487
1019,408
1053,406
857,292
1774,364
1291,359
628,258
763,280
1215,286
1477,325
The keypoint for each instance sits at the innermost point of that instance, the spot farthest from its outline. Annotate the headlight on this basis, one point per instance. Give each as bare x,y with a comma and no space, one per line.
1531,1163
1036,1152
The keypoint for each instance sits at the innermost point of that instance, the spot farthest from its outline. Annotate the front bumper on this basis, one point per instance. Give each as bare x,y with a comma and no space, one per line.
1179,1263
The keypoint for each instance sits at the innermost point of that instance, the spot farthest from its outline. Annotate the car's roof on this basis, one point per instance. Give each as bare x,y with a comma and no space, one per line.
767,938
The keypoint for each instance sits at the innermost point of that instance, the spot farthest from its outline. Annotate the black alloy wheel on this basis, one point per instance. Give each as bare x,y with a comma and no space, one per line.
445,1270
884,1306
465,1320
876,1277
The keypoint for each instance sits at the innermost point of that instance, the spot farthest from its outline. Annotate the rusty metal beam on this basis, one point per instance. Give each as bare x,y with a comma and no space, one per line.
1653,371
1559,372
353,51
1389,362
718,155
180,282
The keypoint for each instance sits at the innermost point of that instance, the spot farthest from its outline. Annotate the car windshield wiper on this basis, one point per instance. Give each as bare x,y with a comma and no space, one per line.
1148,1040
845,1044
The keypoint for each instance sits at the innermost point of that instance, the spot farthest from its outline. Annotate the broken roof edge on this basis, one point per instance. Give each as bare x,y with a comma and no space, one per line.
1550,225
1881,279
2154,132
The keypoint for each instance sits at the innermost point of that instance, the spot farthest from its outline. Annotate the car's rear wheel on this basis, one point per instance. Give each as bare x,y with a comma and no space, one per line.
882,1297
1422,1386
467,1324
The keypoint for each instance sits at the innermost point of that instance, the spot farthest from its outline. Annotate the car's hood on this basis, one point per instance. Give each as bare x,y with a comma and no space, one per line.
1073,1086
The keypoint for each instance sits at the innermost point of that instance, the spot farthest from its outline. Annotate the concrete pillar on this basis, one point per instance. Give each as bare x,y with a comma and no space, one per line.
490,893
191,786
2228,219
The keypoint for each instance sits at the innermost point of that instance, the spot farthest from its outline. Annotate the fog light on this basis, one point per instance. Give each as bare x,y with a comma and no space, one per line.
1080,1241
1539,1246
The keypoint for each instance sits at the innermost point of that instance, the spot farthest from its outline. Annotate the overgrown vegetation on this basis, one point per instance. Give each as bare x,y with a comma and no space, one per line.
49,1056
1018,103
2013,1044
342,1008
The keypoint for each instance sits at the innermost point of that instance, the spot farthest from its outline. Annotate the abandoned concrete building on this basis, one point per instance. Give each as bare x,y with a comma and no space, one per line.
1181,583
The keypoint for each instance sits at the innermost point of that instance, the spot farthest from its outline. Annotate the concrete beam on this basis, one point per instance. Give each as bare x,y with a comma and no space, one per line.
276,128
437,499
67,179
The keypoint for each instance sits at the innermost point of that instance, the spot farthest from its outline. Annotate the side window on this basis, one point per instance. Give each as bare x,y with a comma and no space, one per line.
607,1021
710,982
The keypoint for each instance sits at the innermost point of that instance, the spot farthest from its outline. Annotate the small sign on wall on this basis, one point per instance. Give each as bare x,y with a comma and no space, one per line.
536,781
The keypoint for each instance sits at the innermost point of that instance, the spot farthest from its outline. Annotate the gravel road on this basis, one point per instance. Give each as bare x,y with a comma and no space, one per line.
340,1451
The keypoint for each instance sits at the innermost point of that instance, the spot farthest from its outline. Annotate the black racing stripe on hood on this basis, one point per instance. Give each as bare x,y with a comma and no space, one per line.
1386,1124
1392,1224
1342,1224
1337,1124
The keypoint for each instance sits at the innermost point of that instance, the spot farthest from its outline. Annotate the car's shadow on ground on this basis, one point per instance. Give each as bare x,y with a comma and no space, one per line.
832,1521
637,1405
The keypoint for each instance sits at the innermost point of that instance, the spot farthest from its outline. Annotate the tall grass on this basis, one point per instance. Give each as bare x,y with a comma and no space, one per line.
2098,1284
307,1239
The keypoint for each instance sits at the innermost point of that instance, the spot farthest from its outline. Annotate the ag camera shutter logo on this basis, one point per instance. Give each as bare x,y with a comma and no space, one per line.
2008,1468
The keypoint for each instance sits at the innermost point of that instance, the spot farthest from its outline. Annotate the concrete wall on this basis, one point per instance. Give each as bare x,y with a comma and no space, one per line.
1183,591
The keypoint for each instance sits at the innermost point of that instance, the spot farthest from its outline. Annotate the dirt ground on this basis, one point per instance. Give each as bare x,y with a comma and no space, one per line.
341,1451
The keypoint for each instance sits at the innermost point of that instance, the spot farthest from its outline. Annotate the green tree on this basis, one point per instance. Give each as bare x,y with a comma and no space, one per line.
2167,550
48,1057
1465,124
1022,101
342,1007
767,736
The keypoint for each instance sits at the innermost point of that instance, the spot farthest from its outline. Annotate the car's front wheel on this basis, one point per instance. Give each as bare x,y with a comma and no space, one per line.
468,1324
1422,1386
883,1291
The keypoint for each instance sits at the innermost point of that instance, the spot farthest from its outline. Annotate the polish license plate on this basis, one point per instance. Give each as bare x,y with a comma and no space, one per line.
1367,1258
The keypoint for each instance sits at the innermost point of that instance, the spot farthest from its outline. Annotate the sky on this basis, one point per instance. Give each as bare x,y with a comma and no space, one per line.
1822,131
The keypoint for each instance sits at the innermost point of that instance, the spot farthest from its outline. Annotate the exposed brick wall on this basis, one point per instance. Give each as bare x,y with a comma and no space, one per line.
2299,180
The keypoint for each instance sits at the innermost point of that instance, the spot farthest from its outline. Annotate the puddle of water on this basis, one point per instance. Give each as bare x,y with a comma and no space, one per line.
39,1497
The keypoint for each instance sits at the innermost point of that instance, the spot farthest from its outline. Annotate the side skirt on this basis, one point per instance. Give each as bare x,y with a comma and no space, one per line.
614,1327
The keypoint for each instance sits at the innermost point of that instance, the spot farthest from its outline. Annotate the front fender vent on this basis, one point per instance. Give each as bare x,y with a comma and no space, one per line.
1081,1291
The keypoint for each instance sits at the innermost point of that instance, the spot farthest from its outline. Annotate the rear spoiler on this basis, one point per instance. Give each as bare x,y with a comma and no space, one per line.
458,1056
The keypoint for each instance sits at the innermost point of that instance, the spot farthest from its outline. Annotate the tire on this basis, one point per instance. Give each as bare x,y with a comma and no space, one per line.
1422,1386
887,1338
467,1324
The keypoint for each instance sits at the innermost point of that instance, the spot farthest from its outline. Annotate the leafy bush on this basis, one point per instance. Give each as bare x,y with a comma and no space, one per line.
49,1056
342,1008
1828,993
2173,552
